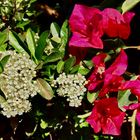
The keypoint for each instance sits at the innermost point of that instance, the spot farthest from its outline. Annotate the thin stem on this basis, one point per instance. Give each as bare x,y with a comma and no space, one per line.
132,47
133,121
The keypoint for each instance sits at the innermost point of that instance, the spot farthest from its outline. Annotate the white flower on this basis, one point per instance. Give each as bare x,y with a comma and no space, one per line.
18,84
72,87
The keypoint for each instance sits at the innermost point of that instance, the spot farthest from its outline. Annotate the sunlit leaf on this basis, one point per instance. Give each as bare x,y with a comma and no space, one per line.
43,124
3,47
92,96
84,71
3,38
129,4
124,99
54,28
60,66
64,34
16,42
45,89
30,42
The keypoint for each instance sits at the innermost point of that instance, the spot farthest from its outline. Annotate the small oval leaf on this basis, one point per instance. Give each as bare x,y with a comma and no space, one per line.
60,66
92,96
45,89
55,29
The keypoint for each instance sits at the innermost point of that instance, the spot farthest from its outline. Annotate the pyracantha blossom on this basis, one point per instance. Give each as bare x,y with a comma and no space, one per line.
109,79
115,24
88,25
133,107
72,87
17,84
106,117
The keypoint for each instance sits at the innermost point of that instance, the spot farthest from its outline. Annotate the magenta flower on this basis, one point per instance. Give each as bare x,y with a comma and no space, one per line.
97,76
133,86
110,79
86,25
112,83
115,24
106,117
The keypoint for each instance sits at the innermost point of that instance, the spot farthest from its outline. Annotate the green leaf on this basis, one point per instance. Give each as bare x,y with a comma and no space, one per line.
129,4
21,24
75,69
16,42
3,38
92,96
60,66
55,29
84,71
56,39
69,63
84,124
41,45
1,68
3,47
45,89
53,57
30,42
4,60
88,63
124,99
64,34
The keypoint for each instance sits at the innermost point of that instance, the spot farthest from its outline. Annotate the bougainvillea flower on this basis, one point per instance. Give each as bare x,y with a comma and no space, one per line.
133,107
108,77
112,83
133,86
106,117
97,76
86,25
115,24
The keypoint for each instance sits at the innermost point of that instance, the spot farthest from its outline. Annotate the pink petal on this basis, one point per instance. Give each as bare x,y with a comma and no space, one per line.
99,59
113,125
132,106
128,16
112,83
79,40
116,24
119,66
79,17
133,85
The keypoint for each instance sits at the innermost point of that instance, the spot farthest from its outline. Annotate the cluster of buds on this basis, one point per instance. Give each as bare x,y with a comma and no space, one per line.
17,84
72,87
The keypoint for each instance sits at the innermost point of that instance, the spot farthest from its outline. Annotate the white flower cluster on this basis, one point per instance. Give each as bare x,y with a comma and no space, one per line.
72,87
17,84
